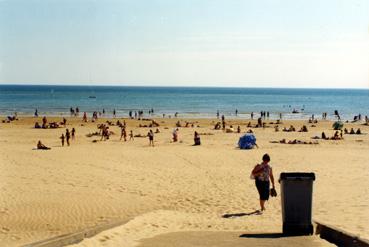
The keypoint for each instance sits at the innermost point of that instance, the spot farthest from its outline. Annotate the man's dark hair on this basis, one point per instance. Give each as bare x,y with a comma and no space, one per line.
266,157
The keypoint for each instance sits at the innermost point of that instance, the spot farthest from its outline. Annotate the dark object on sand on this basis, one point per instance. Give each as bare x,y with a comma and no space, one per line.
247,141
337,125
297,199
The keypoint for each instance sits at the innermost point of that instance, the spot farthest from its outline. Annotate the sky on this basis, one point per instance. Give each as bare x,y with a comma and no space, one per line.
235,43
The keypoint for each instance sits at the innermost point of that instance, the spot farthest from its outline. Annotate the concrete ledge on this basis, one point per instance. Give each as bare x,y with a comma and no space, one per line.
76,237
339,237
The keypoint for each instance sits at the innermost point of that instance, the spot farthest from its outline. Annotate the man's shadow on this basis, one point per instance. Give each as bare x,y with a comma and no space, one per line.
227,216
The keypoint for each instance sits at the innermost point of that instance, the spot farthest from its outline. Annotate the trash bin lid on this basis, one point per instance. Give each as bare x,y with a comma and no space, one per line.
297,176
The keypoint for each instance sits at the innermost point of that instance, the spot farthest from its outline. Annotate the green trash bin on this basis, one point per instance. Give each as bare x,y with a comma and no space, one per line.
297,200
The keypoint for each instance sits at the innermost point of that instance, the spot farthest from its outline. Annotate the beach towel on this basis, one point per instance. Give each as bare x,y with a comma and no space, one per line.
247,141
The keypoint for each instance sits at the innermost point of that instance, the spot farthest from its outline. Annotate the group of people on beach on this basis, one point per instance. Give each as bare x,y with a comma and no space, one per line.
67,136
105,132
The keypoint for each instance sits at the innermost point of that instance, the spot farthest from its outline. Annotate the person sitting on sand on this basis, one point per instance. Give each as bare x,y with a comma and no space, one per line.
230,129
346,131
260,122
263,173
157,131
105,133
54,125
324,137
293,142
249,131
336,136
151,138
42,146
283,141
303,129
217,126
358,132
352,131
249,125
37,125
44,120
276,128
62,139
196,139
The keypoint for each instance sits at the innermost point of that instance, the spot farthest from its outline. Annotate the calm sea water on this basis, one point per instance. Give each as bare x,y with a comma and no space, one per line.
188,102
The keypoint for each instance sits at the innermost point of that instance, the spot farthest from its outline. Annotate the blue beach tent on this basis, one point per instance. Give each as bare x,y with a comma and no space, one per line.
247,141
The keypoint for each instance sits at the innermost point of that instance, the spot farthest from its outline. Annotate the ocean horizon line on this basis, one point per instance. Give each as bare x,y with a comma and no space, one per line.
179,86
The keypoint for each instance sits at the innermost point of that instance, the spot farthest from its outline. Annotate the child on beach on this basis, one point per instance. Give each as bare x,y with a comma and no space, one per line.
131,135
263,173
151,138
62,139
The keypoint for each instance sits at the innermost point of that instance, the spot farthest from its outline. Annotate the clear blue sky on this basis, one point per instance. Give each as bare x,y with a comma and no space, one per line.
264,43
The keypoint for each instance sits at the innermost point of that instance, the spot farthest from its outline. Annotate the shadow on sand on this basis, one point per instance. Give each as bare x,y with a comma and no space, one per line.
263,235
256,212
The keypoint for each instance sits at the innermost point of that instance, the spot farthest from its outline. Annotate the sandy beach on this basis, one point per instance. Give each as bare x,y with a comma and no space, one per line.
172,187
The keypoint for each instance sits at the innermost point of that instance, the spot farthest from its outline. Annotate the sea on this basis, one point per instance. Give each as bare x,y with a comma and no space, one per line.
187,102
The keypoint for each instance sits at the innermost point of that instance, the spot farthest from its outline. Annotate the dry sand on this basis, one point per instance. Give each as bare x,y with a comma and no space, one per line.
169,188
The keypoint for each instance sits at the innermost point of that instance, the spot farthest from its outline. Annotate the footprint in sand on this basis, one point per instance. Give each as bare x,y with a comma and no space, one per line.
105,238
14,237
4,211
4,230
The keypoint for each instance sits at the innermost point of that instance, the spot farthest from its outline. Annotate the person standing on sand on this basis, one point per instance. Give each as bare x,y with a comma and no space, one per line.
67,136
84,117
62,139
131,135
151,138
263,173
123,133
73,133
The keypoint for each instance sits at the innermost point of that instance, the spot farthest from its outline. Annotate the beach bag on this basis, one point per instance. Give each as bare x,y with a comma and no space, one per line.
247,141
